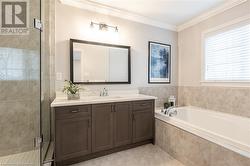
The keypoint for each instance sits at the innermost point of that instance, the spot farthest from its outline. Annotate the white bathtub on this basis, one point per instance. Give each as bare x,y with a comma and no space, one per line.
229,131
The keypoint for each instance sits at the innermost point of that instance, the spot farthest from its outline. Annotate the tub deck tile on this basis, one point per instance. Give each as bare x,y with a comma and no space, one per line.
193,150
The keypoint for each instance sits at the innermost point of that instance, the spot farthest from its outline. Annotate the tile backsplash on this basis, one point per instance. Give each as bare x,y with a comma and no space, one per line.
223,99
161,92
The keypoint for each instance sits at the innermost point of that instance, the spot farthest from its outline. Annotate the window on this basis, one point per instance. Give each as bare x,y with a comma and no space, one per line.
227,54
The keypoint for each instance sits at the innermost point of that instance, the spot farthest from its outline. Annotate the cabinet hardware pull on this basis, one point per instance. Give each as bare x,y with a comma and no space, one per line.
74,111
114,108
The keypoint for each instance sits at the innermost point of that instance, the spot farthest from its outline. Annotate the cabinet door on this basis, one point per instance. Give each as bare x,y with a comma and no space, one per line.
73,137
102,127
142,125
122,123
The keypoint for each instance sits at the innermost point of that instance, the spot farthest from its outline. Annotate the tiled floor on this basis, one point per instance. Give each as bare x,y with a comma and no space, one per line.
30,158
147,155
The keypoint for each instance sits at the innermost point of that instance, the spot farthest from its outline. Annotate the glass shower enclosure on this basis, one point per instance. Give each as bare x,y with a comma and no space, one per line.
21,99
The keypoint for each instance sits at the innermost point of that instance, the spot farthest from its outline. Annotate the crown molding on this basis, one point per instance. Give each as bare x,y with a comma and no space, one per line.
209,14
107,10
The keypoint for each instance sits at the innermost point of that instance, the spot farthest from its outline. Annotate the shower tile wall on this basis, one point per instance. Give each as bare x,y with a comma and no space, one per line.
51,39
19,88
223,99
48,79
19,107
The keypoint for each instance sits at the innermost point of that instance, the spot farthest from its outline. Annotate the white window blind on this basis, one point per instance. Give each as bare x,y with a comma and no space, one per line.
227,55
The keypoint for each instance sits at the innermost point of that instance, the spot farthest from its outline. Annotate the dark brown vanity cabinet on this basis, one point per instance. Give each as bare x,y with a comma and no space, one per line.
142,126
143,121
89,131
111,125
122,124
73,132
102,127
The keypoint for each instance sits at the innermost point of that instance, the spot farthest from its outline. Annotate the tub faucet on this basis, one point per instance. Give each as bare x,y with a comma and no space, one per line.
171,111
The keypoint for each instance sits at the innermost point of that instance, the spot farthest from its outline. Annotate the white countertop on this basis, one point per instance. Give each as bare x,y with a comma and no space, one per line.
62,101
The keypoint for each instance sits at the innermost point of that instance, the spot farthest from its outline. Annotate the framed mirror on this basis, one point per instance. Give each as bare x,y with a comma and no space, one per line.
99,63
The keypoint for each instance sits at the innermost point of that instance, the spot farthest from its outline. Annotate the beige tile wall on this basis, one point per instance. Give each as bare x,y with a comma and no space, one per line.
161,92
223,99
48,68
19,115
192,150
19,100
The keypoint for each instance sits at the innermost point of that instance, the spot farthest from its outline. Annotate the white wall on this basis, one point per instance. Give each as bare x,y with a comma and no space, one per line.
75,23
189,40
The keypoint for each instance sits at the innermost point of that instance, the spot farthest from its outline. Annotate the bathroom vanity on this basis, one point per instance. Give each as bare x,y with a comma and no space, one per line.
96,126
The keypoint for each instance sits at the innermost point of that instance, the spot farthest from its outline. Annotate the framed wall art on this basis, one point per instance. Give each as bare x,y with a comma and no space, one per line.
159,63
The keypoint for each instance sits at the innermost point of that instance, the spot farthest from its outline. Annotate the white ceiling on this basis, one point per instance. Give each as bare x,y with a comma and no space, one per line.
174,15
174,12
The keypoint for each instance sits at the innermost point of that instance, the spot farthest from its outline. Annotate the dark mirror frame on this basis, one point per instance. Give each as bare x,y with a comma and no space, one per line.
72,41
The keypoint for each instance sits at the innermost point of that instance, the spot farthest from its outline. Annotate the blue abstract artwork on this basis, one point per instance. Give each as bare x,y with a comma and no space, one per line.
159,62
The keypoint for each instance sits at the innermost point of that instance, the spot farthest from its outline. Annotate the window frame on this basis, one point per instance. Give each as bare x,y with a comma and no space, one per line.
203,56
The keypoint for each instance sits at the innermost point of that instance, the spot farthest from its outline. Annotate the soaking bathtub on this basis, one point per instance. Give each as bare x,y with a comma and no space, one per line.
229,131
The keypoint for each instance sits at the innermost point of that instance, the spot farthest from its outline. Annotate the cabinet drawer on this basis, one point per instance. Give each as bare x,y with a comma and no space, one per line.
143,105
72,111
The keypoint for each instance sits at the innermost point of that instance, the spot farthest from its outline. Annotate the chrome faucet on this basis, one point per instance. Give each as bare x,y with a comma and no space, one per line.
104,92
171,111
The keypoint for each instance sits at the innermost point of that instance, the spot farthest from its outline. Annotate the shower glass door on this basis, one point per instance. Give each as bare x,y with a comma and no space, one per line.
19,82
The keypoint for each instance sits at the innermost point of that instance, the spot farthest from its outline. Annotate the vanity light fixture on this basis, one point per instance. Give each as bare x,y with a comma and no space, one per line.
103,26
